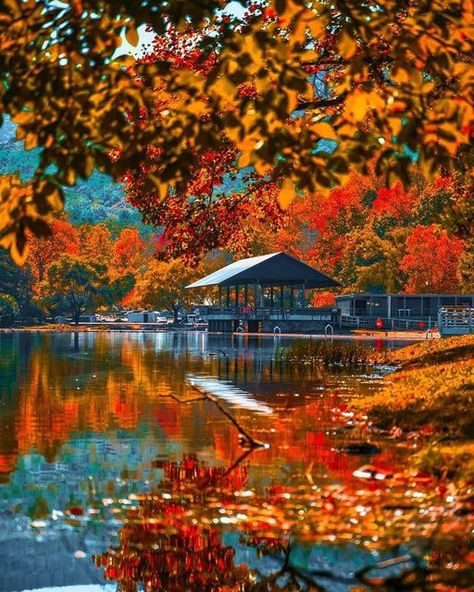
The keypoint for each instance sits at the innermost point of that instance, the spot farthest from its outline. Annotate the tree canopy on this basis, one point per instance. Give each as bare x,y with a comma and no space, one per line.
71,286
301,89
163,286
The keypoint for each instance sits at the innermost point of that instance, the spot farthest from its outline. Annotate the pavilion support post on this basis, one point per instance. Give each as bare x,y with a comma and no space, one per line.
246,295
237,288
255,296
292,297
271,297
303,296
220,297
228,297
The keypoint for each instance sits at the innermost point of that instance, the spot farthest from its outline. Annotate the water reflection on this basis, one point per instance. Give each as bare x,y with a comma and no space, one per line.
228,392
203,528
54,386
99,457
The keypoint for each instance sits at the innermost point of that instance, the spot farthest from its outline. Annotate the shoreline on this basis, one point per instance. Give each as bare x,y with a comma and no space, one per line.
428,398
150,328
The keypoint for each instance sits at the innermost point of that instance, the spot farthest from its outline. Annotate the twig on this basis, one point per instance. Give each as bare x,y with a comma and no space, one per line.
206,397
238,462
175,398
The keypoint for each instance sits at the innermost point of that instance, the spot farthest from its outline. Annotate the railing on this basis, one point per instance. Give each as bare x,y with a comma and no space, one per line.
251,313
386,323
455,320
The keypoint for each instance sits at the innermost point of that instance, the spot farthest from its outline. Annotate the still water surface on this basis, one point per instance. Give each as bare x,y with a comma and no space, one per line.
107,480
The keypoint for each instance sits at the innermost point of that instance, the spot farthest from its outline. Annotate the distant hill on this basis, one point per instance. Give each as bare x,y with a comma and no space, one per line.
96,200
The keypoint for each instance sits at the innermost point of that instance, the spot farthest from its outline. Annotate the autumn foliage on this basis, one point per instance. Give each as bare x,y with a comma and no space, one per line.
79,269
367,236
374,238
302,91
431,260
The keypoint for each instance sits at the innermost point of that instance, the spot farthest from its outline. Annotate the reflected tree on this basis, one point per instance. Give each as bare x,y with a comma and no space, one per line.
174,539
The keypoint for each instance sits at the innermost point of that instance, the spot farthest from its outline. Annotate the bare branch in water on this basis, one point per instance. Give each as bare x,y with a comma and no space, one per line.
249,440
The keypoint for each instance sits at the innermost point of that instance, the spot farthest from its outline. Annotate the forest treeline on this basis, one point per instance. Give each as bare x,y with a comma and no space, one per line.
368,237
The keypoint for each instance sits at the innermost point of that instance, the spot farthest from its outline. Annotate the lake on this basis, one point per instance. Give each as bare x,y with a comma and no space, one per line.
124,464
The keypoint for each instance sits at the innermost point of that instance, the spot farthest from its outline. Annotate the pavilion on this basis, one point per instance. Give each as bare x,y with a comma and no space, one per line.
262,293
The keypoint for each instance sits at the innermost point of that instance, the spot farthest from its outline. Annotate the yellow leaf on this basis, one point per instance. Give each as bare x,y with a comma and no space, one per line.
232,66
376,101
347,46
31,141
160,186
197,107
233,133
70,176
324,130
224,87
287,193
400,75
299,31
263,84
262,167
357,104
55,200
395,124
9,241
245,159
292,96
131,35
89,165
317,26
23,118
248,143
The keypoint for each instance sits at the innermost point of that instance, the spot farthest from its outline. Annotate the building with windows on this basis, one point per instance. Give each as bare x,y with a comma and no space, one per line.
270,294
398,311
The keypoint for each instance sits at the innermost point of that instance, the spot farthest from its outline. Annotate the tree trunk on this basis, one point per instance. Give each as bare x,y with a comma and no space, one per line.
76,313
175,311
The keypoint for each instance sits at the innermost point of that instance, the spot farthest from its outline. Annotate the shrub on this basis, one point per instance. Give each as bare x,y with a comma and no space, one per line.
328,352
8,310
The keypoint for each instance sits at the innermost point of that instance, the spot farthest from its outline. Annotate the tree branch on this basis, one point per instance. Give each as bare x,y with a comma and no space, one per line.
251,442
321,103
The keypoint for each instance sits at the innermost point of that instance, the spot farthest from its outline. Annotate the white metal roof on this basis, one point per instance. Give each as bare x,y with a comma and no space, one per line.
273,269
229,271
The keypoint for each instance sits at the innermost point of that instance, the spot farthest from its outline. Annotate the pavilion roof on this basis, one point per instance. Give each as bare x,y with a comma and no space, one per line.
275,269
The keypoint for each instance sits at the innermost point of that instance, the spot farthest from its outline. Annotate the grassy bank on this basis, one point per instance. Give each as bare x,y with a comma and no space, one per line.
452,461
434,385
432,352
437,395
432,392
